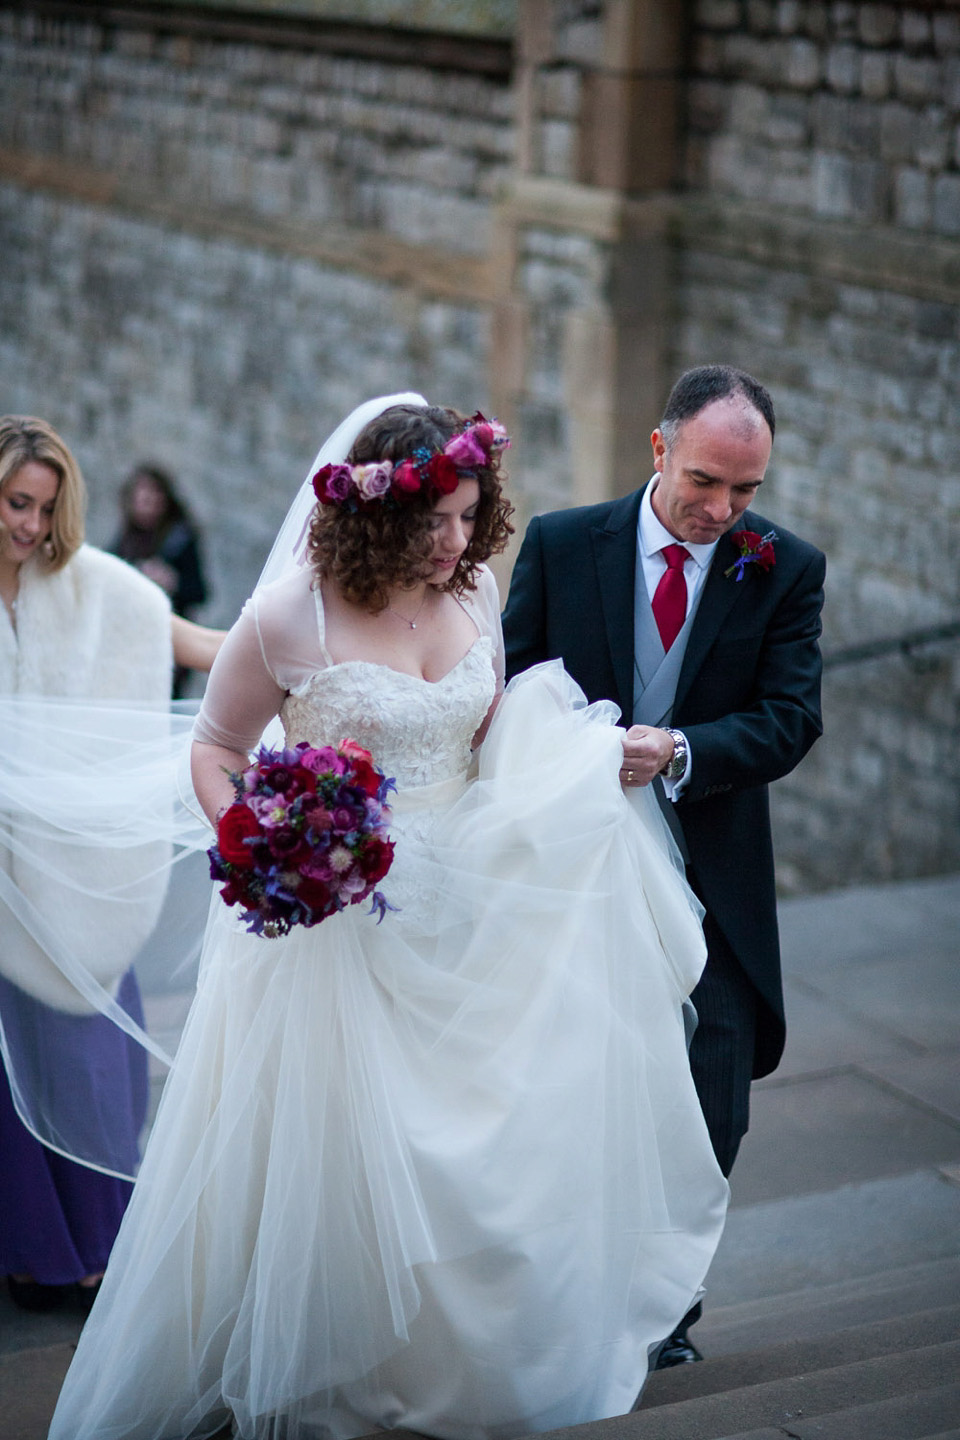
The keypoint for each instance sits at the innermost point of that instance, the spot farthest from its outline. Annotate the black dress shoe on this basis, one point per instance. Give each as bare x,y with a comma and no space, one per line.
28,1295
677,1350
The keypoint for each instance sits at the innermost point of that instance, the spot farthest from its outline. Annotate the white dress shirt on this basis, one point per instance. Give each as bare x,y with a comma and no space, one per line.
652,536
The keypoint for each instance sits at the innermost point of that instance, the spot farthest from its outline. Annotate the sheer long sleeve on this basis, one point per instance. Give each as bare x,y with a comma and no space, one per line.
242,695
484,605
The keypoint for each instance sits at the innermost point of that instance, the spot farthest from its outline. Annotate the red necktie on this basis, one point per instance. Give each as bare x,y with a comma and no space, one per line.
670,599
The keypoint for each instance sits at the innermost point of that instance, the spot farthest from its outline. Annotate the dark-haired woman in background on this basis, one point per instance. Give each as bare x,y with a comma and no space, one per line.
160,538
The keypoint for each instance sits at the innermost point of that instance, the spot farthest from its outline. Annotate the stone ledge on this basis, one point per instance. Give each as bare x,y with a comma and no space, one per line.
475,53
923,266
426,270
589,210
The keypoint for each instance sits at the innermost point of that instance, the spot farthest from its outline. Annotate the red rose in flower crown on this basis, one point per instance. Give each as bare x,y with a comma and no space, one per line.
754,550
305,837
358,487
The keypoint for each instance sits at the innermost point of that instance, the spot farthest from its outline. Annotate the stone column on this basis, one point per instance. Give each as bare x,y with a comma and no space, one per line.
581,256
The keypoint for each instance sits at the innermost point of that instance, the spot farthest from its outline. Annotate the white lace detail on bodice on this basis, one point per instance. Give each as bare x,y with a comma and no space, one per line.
418,731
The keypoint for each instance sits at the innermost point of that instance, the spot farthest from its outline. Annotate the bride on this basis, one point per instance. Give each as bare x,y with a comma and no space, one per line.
447,1172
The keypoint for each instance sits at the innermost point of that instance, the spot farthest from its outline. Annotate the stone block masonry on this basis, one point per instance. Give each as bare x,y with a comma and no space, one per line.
404,150
226,364
823,149
862,102
222,226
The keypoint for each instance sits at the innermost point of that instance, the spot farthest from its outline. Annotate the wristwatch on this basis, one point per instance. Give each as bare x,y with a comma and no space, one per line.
676,767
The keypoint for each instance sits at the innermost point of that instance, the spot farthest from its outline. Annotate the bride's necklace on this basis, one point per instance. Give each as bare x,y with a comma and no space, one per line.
412,623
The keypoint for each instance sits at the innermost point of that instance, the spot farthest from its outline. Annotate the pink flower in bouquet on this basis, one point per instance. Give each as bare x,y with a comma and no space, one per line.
352,750
318,762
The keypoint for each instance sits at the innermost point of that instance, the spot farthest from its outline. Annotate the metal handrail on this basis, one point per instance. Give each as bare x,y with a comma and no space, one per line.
895,645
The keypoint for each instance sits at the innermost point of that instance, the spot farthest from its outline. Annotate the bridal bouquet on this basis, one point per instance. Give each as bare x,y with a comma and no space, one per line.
305,837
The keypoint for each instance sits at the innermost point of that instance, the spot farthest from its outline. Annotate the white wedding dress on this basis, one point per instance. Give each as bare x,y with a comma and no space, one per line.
447,1172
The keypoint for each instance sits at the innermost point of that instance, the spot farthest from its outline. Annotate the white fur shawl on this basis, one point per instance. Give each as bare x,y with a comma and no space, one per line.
96,630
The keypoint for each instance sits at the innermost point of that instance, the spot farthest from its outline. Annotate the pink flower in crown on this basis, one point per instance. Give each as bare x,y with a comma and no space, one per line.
332,484
490,433
372,481
465,450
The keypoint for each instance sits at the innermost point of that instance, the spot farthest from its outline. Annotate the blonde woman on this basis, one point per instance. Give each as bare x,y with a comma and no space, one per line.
76,625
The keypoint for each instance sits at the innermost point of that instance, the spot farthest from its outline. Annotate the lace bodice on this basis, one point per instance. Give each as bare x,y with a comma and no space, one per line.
418,731
275,661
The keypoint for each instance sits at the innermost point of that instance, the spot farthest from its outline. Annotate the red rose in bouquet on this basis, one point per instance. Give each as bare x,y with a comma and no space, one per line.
237,826
305,837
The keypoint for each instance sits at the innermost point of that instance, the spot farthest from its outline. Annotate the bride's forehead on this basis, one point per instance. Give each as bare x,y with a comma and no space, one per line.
466,494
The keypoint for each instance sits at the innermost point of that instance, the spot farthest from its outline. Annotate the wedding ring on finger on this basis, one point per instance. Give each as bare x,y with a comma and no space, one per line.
629,777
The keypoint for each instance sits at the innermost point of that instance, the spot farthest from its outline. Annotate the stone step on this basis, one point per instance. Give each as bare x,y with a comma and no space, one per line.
902,1384
909,1417
893,1336
30,1382
815,1240
825,1309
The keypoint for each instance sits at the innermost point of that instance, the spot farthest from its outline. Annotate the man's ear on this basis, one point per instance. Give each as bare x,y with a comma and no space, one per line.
659,449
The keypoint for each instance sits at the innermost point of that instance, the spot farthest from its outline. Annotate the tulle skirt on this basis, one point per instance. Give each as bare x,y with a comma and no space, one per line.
447,1172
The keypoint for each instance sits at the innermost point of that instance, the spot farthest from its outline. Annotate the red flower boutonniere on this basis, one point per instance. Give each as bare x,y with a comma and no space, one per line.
754,550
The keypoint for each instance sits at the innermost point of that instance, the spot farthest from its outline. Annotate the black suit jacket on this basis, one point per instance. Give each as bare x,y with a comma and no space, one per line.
748,697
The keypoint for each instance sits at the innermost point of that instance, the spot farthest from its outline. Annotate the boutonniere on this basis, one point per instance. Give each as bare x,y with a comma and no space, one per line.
754,550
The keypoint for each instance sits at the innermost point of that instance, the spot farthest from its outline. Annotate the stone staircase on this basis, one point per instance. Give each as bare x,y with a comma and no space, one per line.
872,1359
833,1304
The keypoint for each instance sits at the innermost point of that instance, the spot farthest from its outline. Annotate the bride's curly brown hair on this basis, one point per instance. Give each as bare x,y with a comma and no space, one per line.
370,552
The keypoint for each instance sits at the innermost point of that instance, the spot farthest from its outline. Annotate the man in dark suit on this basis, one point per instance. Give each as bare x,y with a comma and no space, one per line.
711,650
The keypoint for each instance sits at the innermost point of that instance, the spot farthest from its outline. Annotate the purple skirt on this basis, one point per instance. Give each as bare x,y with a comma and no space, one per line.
59,1219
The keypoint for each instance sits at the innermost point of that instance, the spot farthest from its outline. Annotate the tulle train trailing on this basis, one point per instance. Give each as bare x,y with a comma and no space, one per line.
446,1172
103,898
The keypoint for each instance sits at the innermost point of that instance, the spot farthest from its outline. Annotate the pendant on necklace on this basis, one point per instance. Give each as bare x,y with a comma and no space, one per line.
412,623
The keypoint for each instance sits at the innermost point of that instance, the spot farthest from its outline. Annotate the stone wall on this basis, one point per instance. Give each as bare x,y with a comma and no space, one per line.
221,229
821,253
215,246
225,363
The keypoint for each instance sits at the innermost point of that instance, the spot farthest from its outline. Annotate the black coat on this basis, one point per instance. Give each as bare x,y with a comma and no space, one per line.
748,697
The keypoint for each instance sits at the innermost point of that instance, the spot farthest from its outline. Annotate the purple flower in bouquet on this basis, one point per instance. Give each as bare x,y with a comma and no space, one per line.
305,836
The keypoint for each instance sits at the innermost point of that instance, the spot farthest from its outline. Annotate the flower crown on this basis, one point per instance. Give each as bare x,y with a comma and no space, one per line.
433,473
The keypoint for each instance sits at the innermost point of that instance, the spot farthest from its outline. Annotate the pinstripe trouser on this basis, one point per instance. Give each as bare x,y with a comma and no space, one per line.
721,1054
